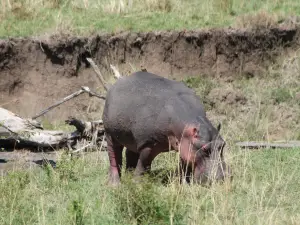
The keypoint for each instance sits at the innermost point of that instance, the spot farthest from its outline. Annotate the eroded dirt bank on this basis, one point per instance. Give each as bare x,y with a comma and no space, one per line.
36,72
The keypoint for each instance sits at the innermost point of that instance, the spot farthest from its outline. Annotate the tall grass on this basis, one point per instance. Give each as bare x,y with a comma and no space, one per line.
32,17
264,191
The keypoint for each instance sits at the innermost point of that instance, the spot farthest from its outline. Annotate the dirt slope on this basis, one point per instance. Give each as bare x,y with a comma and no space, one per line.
36,72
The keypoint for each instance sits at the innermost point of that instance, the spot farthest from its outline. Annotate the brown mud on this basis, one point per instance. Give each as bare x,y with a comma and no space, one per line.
36,72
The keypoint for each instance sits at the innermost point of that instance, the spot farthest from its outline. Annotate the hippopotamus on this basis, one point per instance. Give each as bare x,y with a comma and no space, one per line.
149,114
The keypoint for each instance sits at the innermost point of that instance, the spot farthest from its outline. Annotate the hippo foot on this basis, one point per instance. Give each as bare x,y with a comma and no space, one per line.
137,179
114,181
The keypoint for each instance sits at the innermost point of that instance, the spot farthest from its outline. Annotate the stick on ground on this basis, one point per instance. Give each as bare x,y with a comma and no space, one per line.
257,145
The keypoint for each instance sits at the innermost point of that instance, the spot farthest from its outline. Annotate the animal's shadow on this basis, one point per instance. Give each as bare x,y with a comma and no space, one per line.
166,176
3,161
45,162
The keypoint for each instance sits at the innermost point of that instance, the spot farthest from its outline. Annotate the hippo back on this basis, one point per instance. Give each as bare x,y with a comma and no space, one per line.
145,104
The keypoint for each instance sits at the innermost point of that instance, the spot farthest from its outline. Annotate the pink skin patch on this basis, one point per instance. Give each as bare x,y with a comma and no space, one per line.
113,163
190,134
186,152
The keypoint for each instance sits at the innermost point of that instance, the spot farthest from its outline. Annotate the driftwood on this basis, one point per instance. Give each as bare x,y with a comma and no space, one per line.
19,133
257,145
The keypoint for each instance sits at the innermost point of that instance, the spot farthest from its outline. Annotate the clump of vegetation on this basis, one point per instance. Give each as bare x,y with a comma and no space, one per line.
77,212
257,20
282,95
202,86
144,203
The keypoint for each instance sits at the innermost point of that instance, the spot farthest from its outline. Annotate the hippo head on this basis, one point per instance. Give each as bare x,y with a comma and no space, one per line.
202,150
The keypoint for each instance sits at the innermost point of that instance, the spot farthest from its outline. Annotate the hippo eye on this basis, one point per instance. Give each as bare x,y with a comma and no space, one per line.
204,147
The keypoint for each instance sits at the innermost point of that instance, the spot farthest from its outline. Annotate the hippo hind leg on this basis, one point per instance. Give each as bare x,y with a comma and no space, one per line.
131,159
114,150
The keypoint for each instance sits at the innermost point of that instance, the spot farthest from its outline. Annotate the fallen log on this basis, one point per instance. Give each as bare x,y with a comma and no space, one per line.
257,145
20,133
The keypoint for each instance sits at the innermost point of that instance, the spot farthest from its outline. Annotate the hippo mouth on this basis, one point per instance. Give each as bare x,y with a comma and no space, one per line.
210,171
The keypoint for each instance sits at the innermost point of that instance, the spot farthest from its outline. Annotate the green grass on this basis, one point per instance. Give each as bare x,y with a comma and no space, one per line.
265,190
32,17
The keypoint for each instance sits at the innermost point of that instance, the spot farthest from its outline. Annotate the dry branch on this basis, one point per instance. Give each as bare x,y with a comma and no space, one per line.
97,71
116,72
69,97
257,145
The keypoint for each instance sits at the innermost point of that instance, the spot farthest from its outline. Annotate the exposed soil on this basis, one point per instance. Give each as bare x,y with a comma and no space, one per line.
36,72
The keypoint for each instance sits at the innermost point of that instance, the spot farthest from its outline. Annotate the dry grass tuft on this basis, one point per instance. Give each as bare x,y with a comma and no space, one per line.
224,5
259,20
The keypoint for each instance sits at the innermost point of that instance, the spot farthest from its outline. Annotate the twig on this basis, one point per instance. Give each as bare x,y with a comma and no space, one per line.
91,93
256,145
116,72
12,101
82,148
75,94
97,71
102,142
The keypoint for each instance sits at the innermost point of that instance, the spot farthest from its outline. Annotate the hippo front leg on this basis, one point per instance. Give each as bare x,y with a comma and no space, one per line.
146,157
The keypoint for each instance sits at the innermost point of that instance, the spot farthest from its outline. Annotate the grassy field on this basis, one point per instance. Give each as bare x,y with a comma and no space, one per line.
35,17
265,190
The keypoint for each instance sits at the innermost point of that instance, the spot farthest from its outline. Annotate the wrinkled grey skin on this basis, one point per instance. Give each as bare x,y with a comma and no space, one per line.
149,114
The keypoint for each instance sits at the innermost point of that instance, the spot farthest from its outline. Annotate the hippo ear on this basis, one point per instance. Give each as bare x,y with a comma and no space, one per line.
212,145
195,132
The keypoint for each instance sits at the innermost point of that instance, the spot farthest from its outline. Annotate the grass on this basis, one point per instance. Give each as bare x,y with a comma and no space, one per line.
33,17
264,190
